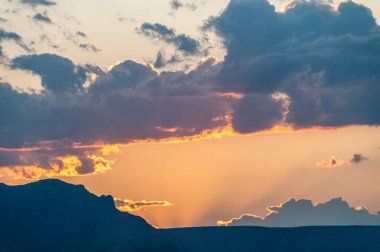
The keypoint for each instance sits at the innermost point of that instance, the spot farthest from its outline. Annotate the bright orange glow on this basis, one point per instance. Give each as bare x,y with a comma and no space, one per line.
135,206
110,149
229,222
67,166
101,165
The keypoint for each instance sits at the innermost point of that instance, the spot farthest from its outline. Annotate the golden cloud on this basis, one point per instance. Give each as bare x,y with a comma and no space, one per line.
134,206
65,166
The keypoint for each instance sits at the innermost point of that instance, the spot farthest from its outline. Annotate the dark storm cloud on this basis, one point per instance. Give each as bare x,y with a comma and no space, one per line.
38,2
327,61
295,213
130,102
58,74
258,112
358,158
125,75
42,18
309,66
182,42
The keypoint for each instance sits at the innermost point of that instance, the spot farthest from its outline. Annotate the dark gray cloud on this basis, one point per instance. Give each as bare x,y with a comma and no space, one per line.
128,103
125,75
255,113
325,60
358,158
295,213
311,65
38,2
45,135
182,42
58,74
42,18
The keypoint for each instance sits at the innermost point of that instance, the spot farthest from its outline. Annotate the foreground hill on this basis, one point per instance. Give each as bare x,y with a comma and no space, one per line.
53,216
304,239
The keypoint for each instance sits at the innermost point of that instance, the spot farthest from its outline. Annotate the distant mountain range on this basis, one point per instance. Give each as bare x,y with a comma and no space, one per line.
53,216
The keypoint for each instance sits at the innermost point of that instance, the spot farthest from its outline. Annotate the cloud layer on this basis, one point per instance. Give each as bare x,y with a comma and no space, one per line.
311,65
295,213
325,60
126,104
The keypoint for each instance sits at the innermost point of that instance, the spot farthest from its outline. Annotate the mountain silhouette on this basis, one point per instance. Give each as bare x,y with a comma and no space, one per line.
53,216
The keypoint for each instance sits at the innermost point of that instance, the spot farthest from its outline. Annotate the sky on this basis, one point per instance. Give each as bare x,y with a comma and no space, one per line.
197,113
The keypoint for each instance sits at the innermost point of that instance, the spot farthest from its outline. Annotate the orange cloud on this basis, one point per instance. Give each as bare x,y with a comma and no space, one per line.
333,162
227,223
135,206
66,166
109,149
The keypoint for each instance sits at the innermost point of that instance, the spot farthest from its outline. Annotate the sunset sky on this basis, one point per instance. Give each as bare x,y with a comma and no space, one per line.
191,112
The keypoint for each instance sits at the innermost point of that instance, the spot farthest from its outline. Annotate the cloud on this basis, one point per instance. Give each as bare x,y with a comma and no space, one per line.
256,112
134,206
295,213
41,164
56,159
325,60
81,34
177,4
182,42
161,61
42,18
11,36
89,47
79,38
333,162
58,74
358,158
128,103
38,2
310,65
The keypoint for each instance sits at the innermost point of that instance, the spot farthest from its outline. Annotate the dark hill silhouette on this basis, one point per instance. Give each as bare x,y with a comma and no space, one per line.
260,239
53,216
